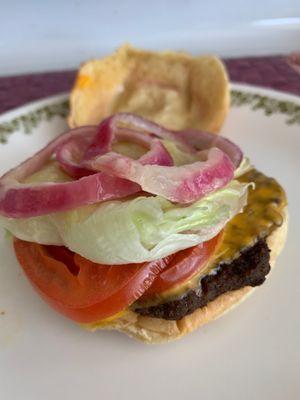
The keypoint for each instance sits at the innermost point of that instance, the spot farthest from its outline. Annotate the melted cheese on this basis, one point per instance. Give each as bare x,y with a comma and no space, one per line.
260,217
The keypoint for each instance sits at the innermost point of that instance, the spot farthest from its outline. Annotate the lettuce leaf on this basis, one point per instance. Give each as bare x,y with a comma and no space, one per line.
243,168
134,230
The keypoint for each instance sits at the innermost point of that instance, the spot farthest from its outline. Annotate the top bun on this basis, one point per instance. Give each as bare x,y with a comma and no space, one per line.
175,90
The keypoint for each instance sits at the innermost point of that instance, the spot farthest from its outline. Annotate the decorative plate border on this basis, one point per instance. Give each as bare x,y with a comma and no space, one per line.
268,104
27,122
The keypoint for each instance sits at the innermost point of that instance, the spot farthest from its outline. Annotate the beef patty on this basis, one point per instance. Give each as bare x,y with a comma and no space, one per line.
249,269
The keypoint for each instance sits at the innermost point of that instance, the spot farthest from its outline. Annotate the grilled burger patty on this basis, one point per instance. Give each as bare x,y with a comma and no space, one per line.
249,269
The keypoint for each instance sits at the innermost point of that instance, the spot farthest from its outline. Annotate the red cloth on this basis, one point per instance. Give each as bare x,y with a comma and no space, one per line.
271,72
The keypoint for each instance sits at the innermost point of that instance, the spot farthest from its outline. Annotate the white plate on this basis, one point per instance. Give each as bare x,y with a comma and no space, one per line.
253,352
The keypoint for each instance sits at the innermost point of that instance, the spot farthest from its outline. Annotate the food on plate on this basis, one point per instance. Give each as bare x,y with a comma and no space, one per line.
155,243
125,223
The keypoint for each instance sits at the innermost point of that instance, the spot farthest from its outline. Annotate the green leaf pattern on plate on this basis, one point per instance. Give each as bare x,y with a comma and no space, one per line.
29,121
268,105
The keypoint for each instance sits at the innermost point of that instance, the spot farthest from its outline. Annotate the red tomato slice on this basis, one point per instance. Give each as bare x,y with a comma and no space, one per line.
183,266
87,292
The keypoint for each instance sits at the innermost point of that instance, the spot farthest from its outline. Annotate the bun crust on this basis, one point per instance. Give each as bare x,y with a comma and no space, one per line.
155,330
172,89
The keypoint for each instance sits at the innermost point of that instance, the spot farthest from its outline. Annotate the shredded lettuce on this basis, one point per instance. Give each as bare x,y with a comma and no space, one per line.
134,230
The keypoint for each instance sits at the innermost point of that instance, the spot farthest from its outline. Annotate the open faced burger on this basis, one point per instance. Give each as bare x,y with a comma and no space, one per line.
146,225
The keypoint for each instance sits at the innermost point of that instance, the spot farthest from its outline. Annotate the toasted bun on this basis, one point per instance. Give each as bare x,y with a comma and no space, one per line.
155,330
173,89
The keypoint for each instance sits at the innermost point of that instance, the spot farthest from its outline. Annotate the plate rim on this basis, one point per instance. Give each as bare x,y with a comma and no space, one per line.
65,95
31,105
271,101
82,347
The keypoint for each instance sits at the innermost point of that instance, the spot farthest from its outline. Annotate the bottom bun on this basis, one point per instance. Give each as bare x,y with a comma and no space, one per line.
156,330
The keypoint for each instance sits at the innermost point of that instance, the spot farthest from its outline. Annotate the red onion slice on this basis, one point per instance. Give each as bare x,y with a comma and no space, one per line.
19,200
73,154
195,140
102,140
180,184
70,154
76,150
33,164
183,184
206,140
104,175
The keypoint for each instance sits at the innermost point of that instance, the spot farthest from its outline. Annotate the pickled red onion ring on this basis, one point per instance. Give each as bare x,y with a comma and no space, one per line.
22,201
19,200
206,140
195,140
73,154
86,153
184,184
69,155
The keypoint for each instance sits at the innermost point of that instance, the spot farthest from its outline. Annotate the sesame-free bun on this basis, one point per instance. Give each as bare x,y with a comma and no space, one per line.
174,89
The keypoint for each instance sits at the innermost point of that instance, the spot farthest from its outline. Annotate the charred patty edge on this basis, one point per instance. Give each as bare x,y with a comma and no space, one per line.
249,269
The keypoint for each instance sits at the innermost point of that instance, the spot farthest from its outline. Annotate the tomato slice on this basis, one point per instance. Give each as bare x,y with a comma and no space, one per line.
89,293
183,266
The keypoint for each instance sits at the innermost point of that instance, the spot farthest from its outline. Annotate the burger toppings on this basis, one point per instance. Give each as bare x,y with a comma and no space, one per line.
135,230
103,175
127,212
249,269
88,292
